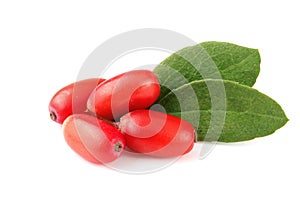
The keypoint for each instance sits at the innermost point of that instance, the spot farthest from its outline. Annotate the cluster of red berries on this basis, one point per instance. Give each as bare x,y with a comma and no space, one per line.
100,117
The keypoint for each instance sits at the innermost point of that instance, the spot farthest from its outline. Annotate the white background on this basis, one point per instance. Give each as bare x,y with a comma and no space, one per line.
42,47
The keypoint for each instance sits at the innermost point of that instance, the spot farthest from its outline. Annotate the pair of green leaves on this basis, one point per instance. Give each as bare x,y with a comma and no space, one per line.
209,85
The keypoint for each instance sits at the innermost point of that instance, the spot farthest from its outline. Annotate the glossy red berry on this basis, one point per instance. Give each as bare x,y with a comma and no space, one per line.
71,99
93,139
156,133
137,89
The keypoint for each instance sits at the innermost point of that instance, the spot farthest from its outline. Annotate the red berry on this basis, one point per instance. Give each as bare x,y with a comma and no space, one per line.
71,99
93,139
137,89
156,133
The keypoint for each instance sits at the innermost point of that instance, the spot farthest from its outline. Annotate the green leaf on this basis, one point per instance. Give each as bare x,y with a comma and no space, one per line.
208,60
225,111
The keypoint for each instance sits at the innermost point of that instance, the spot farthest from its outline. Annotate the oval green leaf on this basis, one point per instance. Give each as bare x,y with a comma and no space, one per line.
248,114
208,60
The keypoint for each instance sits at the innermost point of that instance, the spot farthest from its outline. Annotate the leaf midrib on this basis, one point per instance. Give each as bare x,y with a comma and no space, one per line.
231,111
